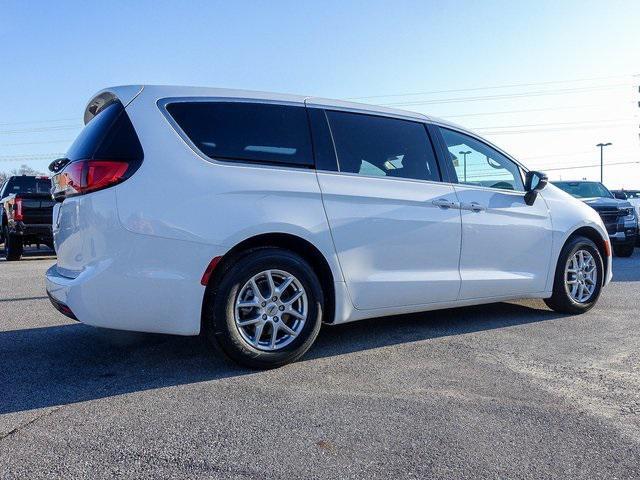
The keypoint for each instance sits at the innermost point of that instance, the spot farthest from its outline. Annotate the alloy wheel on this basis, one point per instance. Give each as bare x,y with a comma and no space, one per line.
271,310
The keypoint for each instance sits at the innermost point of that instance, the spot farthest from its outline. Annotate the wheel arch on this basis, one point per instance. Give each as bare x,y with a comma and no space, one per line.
596,237
286,241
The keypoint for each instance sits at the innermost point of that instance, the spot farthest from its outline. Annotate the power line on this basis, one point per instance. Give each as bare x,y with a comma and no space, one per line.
30,157
494,87
507,96
26,122
603,122
41,129
35,143
594,165
544,165
559,129
501,112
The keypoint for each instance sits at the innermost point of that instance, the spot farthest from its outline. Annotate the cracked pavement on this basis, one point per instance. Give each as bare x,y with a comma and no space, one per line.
504,390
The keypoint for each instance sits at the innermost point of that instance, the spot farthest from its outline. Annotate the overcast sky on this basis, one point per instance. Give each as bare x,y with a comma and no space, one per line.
546,81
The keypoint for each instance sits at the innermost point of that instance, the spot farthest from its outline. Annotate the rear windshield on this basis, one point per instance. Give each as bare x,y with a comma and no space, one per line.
584,189
251,132
110,135
28,185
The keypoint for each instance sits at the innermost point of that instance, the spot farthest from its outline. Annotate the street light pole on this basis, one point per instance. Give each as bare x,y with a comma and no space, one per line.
602,145
464,156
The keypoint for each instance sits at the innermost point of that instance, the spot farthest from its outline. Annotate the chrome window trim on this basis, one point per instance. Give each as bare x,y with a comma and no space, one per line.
164,102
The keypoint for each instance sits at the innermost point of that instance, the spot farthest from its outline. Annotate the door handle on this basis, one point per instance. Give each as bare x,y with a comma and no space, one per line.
474,207
444,203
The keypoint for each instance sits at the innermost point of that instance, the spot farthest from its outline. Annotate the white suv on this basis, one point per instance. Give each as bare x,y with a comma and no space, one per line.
254,217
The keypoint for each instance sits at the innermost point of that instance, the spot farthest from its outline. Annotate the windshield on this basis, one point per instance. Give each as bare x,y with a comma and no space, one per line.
26,184
584,189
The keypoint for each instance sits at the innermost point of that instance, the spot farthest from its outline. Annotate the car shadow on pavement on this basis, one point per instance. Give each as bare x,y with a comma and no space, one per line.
51,366
385,331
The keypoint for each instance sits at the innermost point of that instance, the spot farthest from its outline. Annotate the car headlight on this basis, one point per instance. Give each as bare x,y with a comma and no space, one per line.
628,213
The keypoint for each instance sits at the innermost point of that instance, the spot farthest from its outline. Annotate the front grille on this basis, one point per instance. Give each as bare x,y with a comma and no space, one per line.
609,217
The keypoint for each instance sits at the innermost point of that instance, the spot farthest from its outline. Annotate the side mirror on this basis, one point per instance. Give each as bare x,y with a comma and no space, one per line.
533,183
620,195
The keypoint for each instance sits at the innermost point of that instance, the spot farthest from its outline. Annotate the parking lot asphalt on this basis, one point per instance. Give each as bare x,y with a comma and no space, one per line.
504,390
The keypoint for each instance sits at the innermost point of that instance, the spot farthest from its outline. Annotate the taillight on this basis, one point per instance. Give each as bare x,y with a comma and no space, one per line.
17,210
103,173
86,176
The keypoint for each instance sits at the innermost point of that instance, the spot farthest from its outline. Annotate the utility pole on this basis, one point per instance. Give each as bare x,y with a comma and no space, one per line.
464,155
602,145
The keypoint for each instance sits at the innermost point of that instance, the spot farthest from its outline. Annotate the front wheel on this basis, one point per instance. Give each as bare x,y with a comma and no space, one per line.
623,250
579,277
266,310
12,246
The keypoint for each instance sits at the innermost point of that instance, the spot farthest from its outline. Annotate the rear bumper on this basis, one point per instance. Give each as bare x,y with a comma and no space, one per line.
161,293
30,231
61,307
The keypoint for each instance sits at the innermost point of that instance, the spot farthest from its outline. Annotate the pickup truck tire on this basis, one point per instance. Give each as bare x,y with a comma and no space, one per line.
623,250
12,246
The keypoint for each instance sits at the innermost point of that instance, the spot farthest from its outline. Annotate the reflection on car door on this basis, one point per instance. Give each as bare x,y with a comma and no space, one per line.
397,239
506,244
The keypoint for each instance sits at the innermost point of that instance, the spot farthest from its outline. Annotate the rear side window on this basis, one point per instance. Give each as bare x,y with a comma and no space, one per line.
381,146
250,132
26,184
110,135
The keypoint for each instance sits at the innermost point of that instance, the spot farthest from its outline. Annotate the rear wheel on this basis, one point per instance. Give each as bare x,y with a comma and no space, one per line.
12,246
578,279
267,309
623,250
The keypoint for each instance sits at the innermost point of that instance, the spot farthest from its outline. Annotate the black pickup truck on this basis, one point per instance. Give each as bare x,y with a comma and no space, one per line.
27,209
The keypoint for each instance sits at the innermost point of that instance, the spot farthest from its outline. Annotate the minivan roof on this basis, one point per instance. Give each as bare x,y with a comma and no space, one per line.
126,94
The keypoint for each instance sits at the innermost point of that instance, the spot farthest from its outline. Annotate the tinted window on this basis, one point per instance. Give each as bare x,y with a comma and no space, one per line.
381,146
109,135
26,184
476,163
584,189
250,132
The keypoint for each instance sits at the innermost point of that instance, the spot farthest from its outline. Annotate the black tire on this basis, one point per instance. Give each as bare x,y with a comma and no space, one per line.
623,250
13,247
561,301
219,317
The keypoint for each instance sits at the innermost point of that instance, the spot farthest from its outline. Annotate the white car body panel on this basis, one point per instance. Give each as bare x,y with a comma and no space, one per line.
488,265
389,237
132,256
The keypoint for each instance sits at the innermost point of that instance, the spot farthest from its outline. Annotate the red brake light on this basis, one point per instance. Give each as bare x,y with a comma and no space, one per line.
17,210
86,176
102,173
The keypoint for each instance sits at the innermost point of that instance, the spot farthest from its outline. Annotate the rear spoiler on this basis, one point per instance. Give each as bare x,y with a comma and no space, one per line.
125,94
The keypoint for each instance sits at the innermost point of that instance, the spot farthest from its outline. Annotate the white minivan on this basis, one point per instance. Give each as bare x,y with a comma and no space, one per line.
254,217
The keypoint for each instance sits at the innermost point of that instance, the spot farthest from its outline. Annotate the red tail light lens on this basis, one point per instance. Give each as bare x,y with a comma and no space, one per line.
103,173
86,176
17,210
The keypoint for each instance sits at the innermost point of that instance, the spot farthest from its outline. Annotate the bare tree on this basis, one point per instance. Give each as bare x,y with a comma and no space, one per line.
26,170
